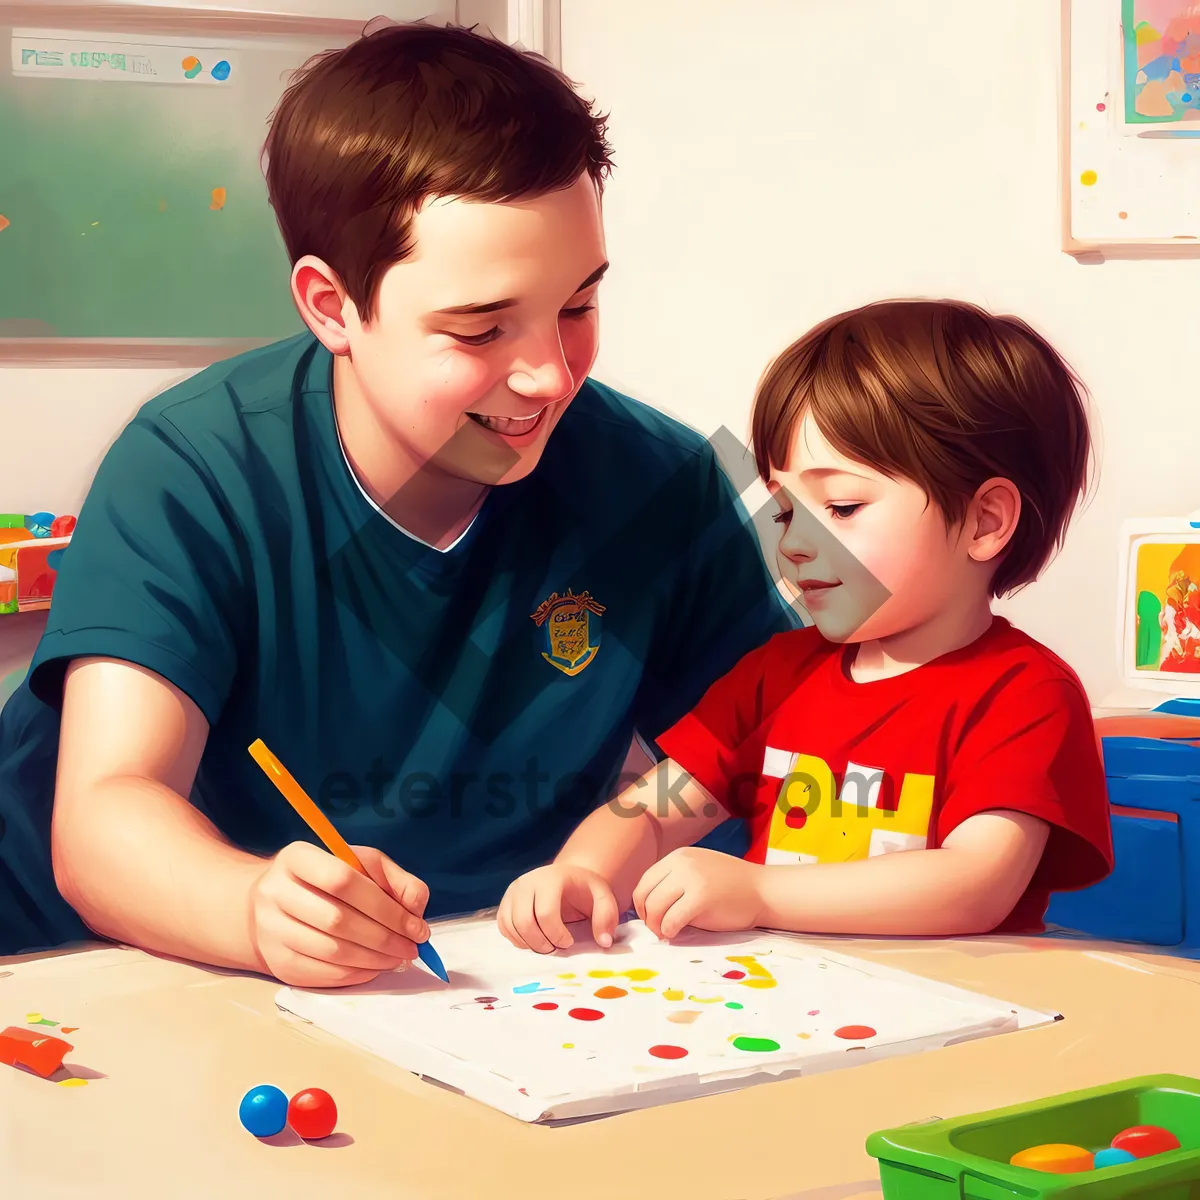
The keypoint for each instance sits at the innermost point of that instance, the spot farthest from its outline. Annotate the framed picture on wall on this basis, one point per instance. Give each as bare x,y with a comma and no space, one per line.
1130,128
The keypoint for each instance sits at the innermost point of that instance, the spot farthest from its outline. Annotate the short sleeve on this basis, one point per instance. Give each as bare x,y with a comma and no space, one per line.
722,604
719,743
1034,749
153,574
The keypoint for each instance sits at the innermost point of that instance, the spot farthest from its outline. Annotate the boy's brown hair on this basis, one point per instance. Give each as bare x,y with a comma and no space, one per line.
365,134
947,396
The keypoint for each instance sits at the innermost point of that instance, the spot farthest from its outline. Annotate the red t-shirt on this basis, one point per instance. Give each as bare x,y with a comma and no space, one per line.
825,769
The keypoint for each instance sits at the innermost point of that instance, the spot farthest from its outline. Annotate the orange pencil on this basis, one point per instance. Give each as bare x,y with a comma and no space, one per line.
321,825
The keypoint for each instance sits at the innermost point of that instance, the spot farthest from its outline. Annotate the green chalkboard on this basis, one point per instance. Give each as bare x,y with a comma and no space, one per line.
138,209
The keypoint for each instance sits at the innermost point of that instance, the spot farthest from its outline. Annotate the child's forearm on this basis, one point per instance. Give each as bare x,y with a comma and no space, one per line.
929,893
618,845
143,866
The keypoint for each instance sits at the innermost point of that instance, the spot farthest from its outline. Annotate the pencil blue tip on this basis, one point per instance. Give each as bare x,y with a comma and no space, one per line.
429,956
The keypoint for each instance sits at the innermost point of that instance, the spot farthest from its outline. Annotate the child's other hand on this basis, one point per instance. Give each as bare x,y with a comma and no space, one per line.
317,922
537,905
704,888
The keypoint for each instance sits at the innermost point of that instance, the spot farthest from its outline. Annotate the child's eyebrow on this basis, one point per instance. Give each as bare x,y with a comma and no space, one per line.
825,472
497,305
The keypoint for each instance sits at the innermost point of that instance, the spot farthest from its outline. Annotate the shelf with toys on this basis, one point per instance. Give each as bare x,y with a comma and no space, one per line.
31,545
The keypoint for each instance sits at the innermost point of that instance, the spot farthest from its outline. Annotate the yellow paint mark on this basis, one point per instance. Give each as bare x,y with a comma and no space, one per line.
706,999
218,198
568,1045
568,975
1145,32
641,989
639,974
672,994
4,221
1082,124
752,965
601,974
72,1083
1088,178
804,1035
32,1018
758,983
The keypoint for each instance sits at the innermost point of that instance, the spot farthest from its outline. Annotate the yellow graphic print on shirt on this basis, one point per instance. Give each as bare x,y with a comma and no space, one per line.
812,823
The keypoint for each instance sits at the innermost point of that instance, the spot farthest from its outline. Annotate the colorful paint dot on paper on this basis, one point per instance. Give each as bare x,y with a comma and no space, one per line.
68,1029
734,975
668,1052
568,1045
642,989
804,1035
638,974
752,965
754,1045
733,1004
218,198
546,1006
523,989
1123,215
221,70
610,993
683,1016
4,221
191,66
854,1033
568,975
32,1018
706,999
1088,178
601,974
585,1014
814,1012
1100,107
672,994
758,983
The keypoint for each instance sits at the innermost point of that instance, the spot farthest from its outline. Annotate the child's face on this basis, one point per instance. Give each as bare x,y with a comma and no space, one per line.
477,393
869,556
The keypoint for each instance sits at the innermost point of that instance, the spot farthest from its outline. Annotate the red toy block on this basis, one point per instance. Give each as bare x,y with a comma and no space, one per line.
28,1048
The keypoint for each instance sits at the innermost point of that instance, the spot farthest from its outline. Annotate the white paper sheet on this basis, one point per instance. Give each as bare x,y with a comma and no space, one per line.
705,1013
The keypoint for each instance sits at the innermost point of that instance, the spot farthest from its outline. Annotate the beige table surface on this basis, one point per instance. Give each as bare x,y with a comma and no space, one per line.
170,1048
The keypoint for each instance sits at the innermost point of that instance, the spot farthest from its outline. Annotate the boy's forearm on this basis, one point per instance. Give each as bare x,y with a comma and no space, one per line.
619,843
141,865
929,893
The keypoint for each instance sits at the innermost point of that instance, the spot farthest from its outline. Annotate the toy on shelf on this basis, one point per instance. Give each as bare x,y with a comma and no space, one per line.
1139,1137
31,547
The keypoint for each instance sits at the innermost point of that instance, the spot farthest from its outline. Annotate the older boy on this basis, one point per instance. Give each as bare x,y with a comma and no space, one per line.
913,764
386,547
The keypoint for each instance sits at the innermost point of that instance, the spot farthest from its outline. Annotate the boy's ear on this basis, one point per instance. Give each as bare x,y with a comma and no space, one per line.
992,518
321,301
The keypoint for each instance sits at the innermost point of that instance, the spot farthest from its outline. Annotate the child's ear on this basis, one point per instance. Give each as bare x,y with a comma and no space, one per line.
321,301
992,518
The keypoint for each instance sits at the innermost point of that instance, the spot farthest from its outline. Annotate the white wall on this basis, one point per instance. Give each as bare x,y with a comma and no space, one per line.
782,160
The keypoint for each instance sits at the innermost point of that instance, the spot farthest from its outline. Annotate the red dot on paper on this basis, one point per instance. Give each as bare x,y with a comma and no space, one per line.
1100,106
668,1052
585,1014
734,975
546,1006
854,1033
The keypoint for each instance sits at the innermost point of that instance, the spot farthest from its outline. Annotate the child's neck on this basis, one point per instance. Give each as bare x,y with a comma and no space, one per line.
418,495
898,653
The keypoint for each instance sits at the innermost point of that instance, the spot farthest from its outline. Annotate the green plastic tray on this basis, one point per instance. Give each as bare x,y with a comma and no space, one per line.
966,1158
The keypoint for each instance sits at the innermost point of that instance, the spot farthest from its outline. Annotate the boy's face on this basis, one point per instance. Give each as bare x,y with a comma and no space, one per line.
869,556
482,337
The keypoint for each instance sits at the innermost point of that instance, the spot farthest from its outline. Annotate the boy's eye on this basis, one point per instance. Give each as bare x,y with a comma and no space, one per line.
841,511
578,311
477,339
783,516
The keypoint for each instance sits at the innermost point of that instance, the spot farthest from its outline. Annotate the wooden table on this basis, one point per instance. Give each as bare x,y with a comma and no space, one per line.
169,1048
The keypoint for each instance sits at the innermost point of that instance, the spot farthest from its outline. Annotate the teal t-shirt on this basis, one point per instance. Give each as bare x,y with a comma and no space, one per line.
460,710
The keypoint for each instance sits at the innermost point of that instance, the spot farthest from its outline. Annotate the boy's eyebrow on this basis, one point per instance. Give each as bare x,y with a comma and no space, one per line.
824,472
497,305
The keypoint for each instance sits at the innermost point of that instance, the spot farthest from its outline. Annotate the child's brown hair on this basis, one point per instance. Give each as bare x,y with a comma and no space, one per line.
365,134
946,395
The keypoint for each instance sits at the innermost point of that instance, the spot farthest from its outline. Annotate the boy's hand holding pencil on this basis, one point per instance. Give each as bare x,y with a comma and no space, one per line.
331,919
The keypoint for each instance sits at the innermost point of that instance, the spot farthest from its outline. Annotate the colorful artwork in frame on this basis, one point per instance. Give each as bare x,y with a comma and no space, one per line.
1161,47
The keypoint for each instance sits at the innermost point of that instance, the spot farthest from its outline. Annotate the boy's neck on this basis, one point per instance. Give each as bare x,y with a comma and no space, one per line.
947,631
419,496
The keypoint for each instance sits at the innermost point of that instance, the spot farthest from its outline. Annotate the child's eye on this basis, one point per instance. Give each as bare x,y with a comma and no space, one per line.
578,312
841,511
477,339
783,516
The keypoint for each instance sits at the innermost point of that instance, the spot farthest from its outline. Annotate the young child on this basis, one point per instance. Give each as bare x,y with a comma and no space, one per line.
913,764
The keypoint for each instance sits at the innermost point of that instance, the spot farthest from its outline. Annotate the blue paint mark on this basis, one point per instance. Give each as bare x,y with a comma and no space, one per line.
525,988
1160,67
221,70
1186,97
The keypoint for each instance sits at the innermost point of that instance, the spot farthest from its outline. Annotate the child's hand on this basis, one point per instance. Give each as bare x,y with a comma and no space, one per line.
536,907
317,922
704,888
